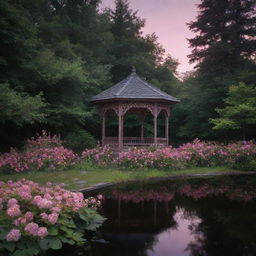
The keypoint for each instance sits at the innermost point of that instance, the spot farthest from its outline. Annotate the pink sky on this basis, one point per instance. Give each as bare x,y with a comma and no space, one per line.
167,18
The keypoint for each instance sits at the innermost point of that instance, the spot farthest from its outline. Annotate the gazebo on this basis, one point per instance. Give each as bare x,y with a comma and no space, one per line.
133,95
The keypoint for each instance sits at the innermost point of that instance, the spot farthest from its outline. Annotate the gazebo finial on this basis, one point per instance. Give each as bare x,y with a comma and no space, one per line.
133,70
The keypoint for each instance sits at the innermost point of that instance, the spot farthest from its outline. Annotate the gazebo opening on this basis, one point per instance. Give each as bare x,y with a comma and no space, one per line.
134,113
111,127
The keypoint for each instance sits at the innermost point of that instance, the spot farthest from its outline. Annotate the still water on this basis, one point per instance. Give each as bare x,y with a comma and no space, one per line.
183,217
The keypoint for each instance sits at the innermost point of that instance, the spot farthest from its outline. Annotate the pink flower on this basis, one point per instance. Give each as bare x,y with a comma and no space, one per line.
100,197
12,202
53,218
25,195
29,216
44,203
44,216
32,228
42,232
56,209
13,235
16,222
14,211
36,200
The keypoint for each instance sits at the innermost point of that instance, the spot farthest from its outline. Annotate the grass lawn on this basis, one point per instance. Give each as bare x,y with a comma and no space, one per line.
84,175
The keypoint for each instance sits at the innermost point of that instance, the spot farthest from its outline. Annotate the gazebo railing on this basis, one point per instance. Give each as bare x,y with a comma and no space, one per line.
134,141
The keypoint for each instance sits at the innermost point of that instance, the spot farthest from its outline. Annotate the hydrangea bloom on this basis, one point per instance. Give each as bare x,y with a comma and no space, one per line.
196,153
32,228
13,235
45,205
42,232
14,211
42,152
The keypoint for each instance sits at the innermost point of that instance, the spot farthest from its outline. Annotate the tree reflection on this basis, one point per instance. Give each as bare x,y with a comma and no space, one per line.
184,217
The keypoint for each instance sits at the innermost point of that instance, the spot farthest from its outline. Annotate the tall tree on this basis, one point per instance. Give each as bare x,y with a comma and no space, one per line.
224,49
131,48
55,49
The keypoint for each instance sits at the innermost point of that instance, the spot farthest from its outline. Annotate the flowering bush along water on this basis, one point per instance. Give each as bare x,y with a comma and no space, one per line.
195,154
47,153
40,153
35,218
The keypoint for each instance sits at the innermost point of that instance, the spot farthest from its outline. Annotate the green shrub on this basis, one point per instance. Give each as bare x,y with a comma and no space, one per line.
80,140
249,165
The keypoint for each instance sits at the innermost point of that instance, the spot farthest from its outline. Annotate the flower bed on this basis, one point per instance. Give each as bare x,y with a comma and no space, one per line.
100,155
35,218
195,154
42,153
46,152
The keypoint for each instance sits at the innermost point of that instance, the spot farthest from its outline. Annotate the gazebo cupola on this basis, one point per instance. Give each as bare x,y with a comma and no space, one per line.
134,95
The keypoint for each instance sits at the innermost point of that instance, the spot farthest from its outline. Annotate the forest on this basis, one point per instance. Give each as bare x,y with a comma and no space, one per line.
56,54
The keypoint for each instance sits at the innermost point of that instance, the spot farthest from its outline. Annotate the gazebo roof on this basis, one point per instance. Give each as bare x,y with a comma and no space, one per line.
133,88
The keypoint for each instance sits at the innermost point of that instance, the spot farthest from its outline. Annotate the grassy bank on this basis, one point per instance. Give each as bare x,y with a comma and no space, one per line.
84,175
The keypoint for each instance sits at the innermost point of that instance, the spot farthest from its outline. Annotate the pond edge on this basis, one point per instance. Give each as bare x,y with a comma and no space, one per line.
100,187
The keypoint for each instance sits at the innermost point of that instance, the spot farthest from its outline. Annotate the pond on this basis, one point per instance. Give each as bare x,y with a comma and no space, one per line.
192,216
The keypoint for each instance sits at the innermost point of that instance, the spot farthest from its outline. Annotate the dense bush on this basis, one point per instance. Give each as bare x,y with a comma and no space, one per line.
79,140
195,154
45,152
100,155
35,218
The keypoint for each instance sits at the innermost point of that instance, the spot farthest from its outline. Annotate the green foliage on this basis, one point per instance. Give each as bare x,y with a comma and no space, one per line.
55,55
246,165
75,216
223,49
19,107
91,220
70,51
240,109
80,140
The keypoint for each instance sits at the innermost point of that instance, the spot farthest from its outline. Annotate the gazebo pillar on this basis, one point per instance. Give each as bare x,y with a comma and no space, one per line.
103,128
142,117
167,129
120,128
142,130
155,123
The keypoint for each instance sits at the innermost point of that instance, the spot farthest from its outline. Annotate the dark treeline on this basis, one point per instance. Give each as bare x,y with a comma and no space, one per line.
56,54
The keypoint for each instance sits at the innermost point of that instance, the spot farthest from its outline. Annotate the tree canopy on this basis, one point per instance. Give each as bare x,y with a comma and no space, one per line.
55,55
239,112
223,49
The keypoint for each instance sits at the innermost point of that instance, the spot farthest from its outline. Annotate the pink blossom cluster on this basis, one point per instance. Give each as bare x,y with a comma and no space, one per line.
30,209
43,152
100,155
45,140
196,153
159,158
13,235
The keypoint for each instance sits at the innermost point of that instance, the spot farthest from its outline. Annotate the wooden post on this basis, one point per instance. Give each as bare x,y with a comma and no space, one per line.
167,130
142,117
155,124
142,131
120,129
103,129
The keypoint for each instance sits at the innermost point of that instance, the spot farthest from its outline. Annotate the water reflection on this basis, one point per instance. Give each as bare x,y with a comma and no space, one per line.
175,240
193,217
183,217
